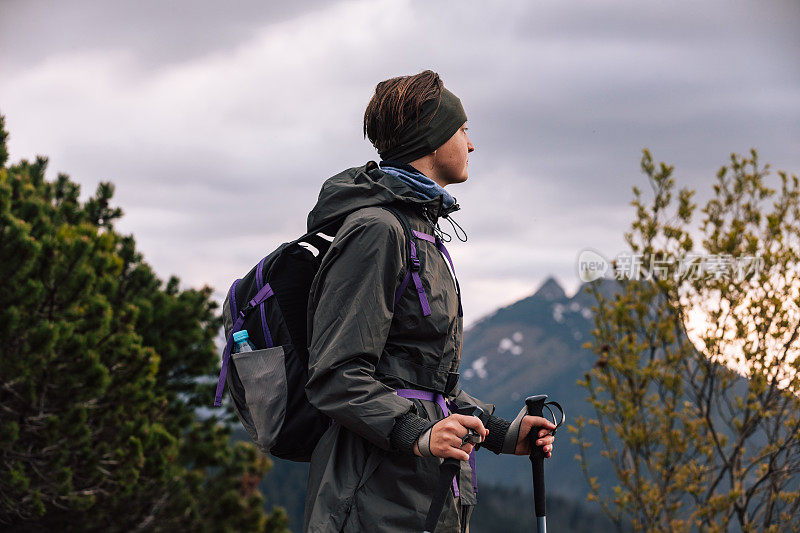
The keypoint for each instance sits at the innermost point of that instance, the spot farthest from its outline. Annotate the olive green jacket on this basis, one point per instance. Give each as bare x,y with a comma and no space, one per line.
364,475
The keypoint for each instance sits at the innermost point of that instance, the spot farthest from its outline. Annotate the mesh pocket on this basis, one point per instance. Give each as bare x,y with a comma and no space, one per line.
263,377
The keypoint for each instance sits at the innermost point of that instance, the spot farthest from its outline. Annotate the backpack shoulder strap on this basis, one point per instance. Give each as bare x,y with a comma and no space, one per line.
413,263
403,219
411,251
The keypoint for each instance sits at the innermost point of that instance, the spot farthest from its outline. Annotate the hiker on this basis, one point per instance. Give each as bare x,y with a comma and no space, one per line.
385,332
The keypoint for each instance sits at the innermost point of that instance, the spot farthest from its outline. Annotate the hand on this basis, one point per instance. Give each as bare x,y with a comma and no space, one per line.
523,444
447,433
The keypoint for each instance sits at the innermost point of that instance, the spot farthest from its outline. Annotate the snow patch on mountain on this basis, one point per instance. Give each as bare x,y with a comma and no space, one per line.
558,312
511,344
479,366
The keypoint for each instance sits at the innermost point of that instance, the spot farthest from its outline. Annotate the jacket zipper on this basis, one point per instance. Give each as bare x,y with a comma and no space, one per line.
428,218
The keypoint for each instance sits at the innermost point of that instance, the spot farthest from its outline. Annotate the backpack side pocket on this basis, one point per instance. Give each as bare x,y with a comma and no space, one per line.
263,377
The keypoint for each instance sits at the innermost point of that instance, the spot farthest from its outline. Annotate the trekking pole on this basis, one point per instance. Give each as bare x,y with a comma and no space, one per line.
447,472
535,404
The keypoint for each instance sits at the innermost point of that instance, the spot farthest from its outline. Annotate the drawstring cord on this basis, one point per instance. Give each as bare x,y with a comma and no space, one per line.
443,235
456,228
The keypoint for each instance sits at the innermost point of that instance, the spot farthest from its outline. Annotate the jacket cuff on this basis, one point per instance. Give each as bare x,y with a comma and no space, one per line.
424,443
407,429
498,428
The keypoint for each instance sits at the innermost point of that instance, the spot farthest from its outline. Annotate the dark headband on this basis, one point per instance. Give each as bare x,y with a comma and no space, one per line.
438,120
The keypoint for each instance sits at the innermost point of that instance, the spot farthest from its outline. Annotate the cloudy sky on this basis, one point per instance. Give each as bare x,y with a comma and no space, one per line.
218,122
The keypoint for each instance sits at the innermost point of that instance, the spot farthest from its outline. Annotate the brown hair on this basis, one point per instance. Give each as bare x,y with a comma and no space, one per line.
395,102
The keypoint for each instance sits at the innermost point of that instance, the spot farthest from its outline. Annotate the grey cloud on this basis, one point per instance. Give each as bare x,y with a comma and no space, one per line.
157,32
212,116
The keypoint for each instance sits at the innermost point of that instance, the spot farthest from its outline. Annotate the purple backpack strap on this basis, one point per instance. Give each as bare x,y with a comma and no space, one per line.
413,274
440,245
226,355
259,285
424,236
402,287
264,293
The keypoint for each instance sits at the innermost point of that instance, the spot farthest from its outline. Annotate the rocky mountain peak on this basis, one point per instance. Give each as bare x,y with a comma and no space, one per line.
550,291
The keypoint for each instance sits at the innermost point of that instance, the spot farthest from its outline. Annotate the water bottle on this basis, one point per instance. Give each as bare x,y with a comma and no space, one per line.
241,342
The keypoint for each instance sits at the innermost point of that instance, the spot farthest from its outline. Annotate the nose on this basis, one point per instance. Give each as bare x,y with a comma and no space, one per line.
470,146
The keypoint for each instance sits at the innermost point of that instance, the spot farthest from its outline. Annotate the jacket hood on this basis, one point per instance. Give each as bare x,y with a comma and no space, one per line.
367,186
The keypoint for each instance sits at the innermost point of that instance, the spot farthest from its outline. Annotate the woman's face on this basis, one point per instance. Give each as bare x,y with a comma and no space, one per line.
452,158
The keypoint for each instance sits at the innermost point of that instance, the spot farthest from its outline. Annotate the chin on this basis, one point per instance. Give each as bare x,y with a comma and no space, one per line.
460,178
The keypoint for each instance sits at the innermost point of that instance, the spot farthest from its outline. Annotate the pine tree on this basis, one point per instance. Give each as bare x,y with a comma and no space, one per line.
696,386
102,372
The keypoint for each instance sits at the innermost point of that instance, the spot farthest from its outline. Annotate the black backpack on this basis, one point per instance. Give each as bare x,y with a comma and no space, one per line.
270,302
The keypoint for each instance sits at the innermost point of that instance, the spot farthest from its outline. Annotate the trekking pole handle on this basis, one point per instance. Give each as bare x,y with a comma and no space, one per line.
472,436
535,405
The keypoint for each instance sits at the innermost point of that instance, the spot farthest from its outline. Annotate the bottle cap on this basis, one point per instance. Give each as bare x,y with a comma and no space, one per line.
240,336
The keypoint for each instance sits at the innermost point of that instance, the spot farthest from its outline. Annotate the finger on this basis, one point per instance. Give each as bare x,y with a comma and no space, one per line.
454,441
539,422
456,453
545,440
529,422
448,448
472,422
467,448
469,422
